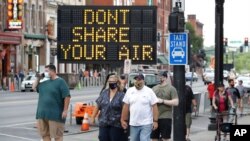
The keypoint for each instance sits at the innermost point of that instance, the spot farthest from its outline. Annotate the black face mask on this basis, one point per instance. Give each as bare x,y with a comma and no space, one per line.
112,85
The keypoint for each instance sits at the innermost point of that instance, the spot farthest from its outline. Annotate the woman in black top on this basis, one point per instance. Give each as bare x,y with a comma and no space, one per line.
109,106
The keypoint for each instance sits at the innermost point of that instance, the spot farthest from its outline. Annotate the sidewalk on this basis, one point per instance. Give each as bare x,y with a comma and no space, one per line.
196,134
210,135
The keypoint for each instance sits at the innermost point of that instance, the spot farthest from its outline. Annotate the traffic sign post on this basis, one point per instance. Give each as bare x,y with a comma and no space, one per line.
178,48
180,4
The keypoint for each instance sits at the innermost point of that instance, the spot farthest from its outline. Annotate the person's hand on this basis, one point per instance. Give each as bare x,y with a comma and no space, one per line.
160,100
64,114
124,124
215,107
92,121
155,125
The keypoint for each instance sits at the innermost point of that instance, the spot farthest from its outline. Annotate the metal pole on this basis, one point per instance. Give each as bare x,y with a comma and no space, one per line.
179,111
219,20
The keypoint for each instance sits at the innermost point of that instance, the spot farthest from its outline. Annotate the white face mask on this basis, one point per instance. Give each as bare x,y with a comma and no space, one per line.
46,75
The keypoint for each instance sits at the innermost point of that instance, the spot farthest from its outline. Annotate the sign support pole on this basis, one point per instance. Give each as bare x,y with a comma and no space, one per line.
179,129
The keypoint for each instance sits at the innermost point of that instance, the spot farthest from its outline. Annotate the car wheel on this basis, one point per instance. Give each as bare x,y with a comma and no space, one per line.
22,90
79,120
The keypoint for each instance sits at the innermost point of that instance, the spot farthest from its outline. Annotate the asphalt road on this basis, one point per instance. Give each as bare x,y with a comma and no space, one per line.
17,118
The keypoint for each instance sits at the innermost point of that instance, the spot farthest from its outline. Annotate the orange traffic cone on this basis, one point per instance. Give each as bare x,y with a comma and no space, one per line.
12,87
85,123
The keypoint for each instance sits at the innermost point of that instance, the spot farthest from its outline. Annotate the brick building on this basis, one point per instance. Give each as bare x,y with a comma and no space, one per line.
10,38
198,26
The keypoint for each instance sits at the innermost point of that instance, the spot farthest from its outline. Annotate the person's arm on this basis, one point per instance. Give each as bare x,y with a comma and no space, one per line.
155,116
66,106
214,104
172,102
231,100
95,112
124,116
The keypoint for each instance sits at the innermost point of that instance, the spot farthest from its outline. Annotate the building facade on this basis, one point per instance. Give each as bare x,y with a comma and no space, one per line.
198,26
10,40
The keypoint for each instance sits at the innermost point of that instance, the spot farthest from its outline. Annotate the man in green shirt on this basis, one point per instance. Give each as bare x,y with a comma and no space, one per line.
167,97
53,102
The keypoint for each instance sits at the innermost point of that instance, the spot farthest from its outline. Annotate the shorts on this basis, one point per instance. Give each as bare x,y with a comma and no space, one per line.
188,120
163,130
50,128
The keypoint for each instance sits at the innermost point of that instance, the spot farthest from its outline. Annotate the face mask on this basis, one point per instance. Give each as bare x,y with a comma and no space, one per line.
46,75
112,85
139,85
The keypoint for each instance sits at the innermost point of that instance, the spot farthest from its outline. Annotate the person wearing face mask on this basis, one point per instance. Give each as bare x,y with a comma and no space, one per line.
167,98
140,107
53,103
109,106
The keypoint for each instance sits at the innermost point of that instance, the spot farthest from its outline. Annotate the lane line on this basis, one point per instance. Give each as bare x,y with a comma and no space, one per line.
27,128
18,124
18,137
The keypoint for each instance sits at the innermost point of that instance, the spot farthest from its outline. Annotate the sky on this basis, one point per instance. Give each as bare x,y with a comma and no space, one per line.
236,18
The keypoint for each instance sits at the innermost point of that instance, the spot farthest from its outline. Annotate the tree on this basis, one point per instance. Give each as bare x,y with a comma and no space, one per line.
196,41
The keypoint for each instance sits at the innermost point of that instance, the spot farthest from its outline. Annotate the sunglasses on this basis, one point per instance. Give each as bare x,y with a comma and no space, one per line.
122,77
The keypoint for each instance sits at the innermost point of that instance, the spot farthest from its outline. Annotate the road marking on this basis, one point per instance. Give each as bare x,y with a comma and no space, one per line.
18,124
18,137
27,128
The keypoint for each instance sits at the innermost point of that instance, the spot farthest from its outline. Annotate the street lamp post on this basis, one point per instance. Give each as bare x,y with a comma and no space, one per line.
219,20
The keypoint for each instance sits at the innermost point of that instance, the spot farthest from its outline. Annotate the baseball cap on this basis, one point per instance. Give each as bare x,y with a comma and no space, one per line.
139,76
165,74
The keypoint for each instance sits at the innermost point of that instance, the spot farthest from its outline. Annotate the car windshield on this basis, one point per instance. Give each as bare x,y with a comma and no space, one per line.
150,79
30,77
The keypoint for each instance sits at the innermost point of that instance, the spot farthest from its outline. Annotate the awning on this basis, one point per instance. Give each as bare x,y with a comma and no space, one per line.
10,38
34,36
162,59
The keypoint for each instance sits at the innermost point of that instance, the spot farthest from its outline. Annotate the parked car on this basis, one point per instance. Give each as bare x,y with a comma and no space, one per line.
27,83
150,79
245,80
188,76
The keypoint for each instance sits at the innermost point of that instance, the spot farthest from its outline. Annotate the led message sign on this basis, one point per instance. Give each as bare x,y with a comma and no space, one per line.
107,34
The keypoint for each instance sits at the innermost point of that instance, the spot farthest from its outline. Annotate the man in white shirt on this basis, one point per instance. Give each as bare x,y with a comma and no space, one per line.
140,102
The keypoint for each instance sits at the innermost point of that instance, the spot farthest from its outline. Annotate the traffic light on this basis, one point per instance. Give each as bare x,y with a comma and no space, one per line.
225,42
176,22
246,42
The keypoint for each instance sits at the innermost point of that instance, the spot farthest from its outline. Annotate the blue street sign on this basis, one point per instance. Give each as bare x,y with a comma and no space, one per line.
178,48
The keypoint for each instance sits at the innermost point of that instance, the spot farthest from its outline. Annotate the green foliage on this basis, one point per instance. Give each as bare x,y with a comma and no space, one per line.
196,41
242,62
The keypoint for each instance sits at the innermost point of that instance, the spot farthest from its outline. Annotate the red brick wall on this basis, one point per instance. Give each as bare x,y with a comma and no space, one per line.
99,2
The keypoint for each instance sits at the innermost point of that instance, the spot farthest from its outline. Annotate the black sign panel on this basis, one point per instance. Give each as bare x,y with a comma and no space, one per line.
107,34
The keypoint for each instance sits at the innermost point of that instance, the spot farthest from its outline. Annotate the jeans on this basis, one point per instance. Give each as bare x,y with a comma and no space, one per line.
111,133
140,133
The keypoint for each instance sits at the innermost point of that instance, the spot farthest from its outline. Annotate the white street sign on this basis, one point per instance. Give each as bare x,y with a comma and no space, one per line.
127,66
180,4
